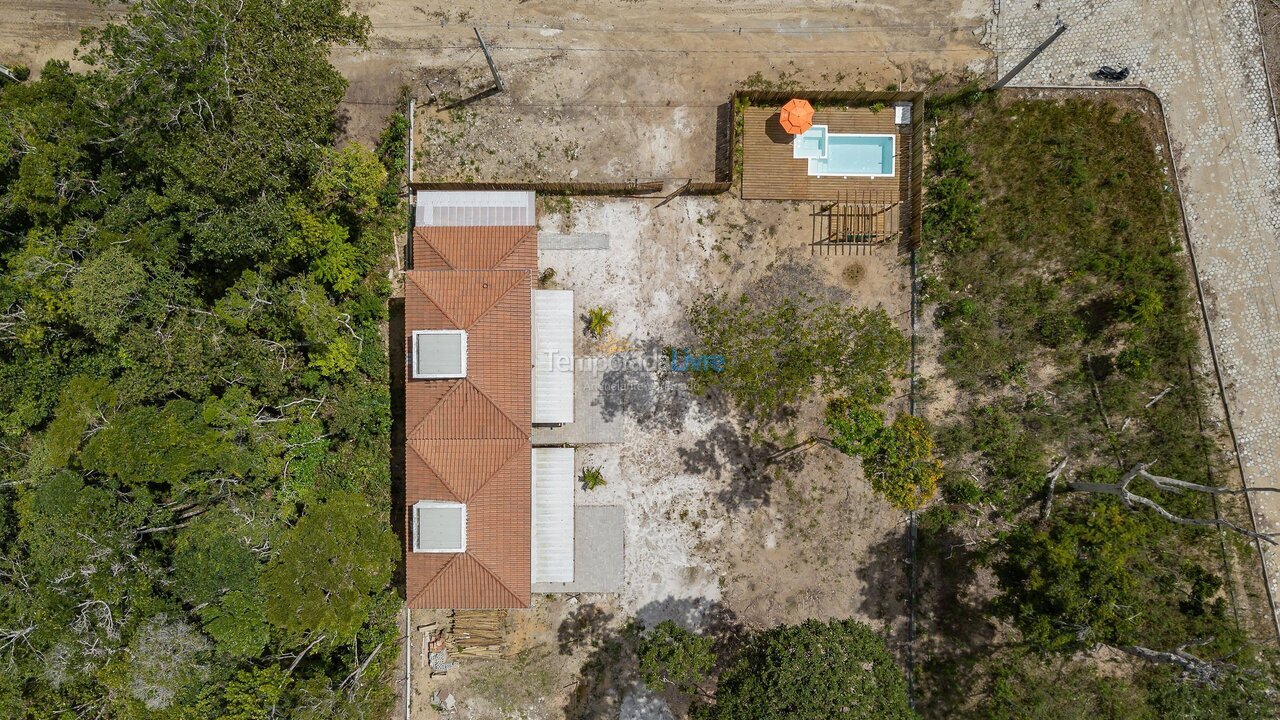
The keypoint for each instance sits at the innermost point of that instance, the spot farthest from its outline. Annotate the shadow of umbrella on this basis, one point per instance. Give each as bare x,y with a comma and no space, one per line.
774,130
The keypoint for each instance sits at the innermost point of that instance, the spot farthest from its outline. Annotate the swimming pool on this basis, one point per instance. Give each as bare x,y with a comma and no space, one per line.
855,155
812,143
845,154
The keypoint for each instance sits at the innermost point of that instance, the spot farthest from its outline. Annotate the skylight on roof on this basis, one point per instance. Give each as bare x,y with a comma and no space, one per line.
439,354
439,527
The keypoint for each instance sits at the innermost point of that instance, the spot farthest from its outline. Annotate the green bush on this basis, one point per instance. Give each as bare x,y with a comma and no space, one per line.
961,489
592,478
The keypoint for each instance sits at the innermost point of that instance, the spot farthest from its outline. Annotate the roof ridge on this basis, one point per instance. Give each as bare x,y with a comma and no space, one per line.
519,428
425,234
479,389
453,388
501,466
480,315
519,442
530,230
514,595
427,296
427,584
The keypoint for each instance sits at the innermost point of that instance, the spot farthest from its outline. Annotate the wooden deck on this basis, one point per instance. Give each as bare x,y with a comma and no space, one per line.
769,172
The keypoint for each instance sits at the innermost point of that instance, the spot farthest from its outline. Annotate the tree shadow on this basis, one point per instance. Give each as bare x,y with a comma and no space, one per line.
640,384
396,351
885,573
586,625
799,281
948,569
610,676
749,462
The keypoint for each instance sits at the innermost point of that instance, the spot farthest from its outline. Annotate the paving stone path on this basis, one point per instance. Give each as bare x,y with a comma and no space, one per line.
1203,58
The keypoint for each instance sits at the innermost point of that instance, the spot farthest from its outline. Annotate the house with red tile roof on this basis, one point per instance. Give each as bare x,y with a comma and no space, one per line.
474,513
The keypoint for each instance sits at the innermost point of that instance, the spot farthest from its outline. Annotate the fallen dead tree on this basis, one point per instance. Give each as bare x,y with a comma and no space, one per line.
1205,672
1141,470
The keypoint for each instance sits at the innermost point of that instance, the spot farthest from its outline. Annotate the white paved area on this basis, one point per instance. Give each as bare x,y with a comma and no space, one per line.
1204,59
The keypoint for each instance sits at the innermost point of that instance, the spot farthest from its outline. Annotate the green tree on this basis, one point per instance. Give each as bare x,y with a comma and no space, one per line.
158,446
180,373
670,654
779,352
1073,584
328,569
898,460
902,466
238,624
855,428
103,290
210,559
812,671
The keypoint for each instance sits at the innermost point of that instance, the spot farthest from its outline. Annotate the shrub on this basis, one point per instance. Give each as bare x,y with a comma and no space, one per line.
854,273
599,320
903,468
592,478
854,427
961,489
670,654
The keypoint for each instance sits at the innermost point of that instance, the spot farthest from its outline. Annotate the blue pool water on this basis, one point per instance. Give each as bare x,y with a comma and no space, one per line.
855,155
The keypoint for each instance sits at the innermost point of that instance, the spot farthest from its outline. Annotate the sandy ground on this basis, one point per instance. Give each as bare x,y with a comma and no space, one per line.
602,91
33,32
630,89
609,91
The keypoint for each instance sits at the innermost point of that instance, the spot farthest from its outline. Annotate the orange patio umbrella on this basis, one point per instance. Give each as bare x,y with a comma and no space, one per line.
796,116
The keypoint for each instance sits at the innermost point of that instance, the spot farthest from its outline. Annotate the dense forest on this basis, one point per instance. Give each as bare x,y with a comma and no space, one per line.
194,401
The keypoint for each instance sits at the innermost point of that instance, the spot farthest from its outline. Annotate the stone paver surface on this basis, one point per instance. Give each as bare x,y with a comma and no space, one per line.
1204,60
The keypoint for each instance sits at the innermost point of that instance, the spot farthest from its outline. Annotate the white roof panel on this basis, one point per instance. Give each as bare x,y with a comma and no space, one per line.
472,208
439,527
551,544
439,354
553,325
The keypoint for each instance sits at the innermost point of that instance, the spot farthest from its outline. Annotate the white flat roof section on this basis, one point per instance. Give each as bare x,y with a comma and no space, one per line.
474,208
553,359
551,548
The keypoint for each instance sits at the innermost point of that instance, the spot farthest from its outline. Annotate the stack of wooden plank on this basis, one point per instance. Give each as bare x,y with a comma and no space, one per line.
477,633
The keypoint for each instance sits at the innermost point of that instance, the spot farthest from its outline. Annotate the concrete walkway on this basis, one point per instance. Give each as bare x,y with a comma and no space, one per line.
1204,60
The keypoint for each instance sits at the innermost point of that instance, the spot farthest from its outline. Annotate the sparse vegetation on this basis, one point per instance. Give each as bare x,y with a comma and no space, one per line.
599,320
592,478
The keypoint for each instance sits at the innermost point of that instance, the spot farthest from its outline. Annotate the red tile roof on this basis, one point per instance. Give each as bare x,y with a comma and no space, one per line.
467,440
475,248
